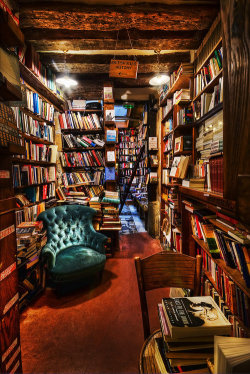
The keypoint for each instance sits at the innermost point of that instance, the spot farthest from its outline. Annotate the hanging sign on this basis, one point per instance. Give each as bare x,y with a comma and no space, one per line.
123,69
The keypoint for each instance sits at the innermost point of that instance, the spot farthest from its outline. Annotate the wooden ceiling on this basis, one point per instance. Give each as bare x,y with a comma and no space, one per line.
87,31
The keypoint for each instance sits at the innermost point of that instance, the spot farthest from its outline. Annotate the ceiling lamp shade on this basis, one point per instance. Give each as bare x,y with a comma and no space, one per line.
66,82
159,80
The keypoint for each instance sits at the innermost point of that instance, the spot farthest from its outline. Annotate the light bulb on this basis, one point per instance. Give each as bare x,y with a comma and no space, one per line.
66,81
159,80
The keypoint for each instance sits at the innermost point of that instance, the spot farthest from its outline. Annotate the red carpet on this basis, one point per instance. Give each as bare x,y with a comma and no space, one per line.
92,331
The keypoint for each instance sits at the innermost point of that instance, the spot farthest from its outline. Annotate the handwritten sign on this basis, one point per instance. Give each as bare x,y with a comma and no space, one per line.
123,69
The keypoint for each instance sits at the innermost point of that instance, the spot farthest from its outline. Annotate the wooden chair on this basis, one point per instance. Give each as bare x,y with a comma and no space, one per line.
166,269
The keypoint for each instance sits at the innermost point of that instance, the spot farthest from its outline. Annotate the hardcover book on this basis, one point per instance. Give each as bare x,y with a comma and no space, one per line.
194,316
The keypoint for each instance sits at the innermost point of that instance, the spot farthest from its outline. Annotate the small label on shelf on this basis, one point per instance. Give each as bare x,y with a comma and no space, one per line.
4,174
11,347
7,271
10,303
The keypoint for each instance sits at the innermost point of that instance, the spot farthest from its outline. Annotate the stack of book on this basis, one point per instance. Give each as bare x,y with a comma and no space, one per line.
110,217
111,197
71,120
30,240
182,95
188,326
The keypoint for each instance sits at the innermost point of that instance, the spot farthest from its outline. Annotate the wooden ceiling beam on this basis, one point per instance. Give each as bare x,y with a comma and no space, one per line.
48,58
144,16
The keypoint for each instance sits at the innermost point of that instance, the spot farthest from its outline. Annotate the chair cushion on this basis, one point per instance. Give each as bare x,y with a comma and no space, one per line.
77,262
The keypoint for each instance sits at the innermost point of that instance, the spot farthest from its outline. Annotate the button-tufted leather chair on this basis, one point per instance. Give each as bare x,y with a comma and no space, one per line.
74,251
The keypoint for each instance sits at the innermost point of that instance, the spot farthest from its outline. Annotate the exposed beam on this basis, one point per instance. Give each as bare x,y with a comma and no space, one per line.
144,16
47,58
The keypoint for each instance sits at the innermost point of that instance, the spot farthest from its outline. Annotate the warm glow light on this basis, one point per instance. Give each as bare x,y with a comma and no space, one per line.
66,82
159,80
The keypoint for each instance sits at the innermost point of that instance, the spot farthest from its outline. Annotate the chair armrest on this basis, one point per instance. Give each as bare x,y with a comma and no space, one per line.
49,256
97,241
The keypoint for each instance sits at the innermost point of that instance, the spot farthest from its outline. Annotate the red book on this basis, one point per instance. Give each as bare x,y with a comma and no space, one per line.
67,160
61,121
96,158
198,227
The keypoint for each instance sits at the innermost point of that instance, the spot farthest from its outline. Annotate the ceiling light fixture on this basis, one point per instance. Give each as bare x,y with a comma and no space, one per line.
65,80
159,79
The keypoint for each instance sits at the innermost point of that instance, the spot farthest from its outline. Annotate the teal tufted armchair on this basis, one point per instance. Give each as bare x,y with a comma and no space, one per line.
74,251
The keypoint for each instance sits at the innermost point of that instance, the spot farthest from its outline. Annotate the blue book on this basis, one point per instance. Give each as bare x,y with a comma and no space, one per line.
111,136
110,173
31,194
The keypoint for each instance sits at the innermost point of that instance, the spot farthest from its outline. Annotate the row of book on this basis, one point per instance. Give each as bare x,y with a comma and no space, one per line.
128,152
208,101
237,329
223,245
27,175
127,158
181,95
82,159
72,141
128,139
128,145
30,126
32,60
185,116
39,106
81,195
209,71
110,212
94,178
167,108
29,213
229,295
71,120
40,152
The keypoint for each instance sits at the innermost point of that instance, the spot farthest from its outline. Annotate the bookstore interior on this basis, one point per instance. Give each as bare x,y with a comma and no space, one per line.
124,143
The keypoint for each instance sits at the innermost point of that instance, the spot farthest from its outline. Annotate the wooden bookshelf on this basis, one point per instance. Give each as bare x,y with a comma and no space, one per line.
83,167
234,274
9,92
10,32
210,86
35,116
206,60
30,78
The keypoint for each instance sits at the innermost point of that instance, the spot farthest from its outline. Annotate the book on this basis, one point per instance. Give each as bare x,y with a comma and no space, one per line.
231,355
194,316
111,136
109,173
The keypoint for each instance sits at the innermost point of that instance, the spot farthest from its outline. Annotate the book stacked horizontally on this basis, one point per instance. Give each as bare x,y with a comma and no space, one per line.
188,326
95,204
110,217
30,239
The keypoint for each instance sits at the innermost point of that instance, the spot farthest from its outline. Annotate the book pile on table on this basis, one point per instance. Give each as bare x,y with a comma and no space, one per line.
188,326
77,197
111,197
30,239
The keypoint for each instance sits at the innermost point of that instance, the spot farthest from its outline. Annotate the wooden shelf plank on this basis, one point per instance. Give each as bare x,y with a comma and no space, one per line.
182,153
35,139
29,77
209,87
33,162
234,274
8,92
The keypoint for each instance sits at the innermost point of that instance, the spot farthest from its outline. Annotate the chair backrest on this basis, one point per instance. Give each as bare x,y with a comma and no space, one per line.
68,225
166,269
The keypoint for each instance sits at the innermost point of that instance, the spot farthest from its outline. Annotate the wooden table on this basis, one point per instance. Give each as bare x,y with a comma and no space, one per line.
148,364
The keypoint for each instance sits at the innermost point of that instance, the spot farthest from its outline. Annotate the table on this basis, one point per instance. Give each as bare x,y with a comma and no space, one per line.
148,364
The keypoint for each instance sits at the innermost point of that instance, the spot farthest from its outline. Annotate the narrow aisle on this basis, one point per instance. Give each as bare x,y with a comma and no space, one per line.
131,221
92,331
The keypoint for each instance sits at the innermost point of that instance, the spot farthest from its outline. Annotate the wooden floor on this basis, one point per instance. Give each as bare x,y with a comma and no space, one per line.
92,331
